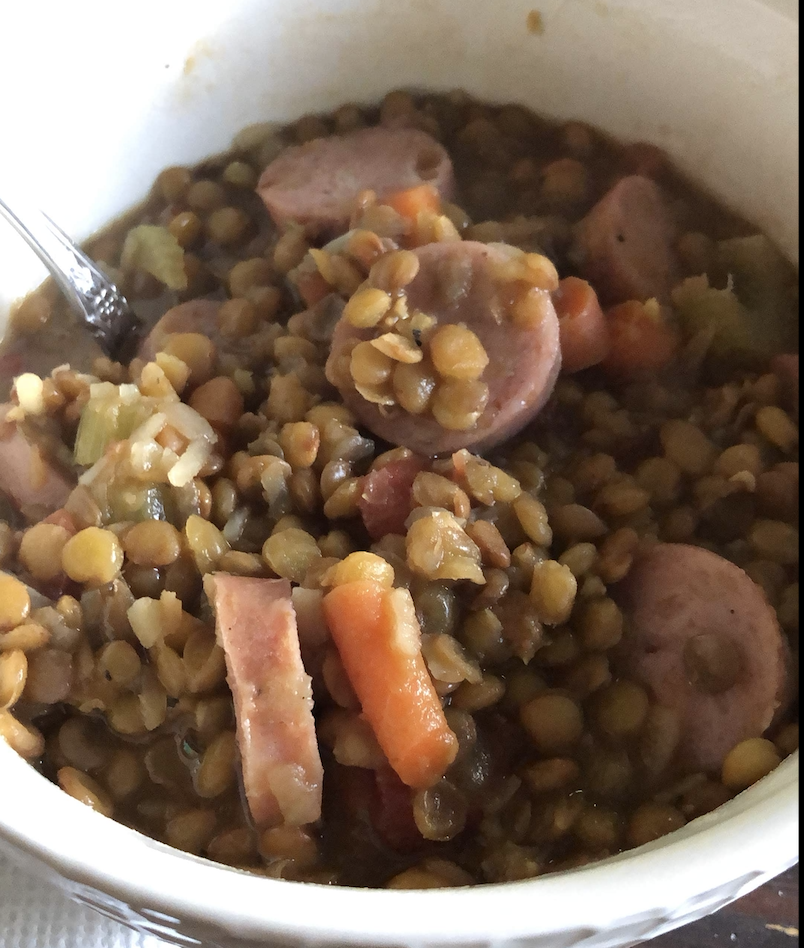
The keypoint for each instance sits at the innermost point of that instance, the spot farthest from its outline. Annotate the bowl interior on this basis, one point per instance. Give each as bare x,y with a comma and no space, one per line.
715,83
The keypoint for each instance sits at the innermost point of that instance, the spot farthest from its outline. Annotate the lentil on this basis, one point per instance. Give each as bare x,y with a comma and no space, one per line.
749,761
554,722
13,674
84,789
15,603
41,548
92,557
152,543
457,353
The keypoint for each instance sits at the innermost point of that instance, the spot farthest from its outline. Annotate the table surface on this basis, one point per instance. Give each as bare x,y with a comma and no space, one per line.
766,918
33,915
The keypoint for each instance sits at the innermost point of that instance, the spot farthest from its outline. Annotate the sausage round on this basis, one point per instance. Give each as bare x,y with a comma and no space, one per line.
625,244
199,316
315,184
708,645
27,476
455,284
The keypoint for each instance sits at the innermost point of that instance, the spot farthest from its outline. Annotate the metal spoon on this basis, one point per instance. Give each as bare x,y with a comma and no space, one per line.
95,299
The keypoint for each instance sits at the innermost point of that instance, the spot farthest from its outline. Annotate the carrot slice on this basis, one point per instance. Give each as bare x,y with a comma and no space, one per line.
582,326
641,340
412,201
378,637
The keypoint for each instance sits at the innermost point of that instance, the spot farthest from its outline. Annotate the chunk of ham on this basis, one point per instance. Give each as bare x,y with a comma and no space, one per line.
626,244
27,476
315,184
282,771
386,499
706,642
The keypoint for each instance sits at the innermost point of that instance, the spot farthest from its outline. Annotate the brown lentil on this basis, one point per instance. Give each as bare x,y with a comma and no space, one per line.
553,721
152,543
41,548
553,591
620,709
651,821
83,788
13,675
24,739
749,761
457,353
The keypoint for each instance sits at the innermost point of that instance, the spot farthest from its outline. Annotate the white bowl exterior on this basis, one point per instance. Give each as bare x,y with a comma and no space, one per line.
89,121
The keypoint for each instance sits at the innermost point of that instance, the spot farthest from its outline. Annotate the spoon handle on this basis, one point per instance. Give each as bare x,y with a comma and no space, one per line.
92,295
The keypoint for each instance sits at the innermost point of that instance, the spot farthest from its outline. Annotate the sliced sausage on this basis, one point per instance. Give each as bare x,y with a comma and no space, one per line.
625,244
386,499
282,771
456,283
27,476
315,184
199,316
707,643
786,367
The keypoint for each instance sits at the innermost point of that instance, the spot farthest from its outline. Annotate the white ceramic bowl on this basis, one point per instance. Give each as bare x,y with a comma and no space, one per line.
98,97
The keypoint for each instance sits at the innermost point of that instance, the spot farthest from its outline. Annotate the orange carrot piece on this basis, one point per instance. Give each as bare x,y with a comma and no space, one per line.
412,201
378,637
582,326
641,341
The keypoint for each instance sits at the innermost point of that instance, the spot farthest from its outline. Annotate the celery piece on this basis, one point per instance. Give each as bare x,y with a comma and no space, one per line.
737,330
96,429
131,416
761,275
155,250
104,420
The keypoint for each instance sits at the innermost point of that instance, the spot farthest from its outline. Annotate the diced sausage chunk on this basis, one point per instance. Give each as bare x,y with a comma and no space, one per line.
459,283
198,316
387,497
282,771
706,642
625,244
315,184
29,478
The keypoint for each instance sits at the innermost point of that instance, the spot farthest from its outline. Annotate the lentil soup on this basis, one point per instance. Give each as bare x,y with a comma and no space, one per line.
444,528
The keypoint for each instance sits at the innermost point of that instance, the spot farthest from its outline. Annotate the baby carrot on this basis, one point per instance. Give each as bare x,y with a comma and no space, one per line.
378,637
582,326
412,201
641,340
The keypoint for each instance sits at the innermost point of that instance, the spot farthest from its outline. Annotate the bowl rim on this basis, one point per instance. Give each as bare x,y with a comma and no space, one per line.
711,860
708,862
